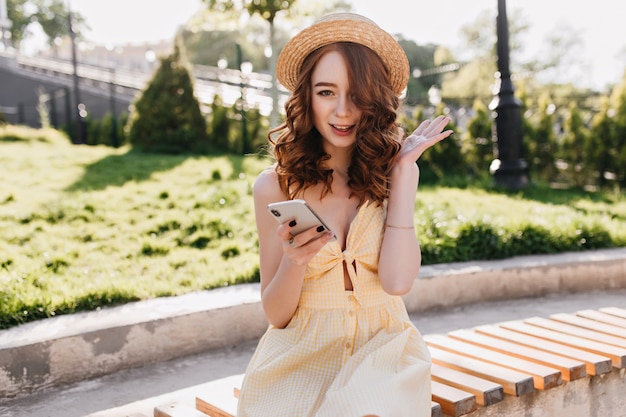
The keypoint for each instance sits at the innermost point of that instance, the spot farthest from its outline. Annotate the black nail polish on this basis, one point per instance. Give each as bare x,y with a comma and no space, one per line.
320,229
292,223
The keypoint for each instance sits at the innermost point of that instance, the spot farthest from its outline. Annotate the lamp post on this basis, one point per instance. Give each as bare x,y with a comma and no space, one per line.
80,108
222,64
246,69
509,169
5,23
112,87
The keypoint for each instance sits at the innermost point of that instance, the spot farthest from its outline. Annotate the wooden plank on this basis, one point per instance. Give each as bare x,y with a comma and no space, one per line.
592,325
513,382
594,364
222,401
544,377
435,410
614,311
177,410
453,401
603,317
576,331
210,408
616,354
219,400
486,392
570,369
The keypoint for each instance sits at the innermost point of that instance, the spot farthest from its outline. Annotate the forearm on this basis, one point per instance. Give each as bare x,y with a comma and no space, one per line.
280,297
400,256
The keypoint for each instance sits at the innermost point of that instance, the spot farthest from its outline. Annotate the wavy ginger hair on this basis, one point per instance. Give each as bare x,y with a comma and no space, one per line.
298,147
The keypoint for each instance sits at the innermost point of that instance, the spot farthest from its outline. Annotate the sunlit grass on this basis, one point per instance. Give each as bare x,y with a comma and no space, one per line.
85,227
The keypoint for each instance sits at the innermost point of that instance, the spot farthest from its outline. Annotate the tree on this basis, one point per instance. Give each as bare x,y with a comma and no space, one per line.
478,144
51,15
166,117
267,9
599,155
543,145
420,58
574,139
618,103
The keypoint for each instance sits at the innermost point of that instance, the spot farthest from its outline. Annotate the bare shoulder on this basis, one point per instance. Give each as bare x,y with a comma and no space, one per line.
267,188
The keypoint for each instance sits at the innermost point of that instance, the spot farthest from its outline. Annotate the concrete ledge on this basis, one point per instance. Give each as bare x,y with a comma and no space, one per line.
450,285
71,348
601,395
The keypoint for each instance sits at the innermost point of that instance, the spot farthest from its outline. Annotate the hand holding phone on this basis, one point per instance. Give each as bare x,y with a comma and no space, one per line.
297,210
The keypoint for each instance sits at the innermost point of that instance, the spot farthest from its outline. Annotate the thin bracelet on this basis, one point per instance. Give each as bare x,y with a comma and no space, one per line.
400,227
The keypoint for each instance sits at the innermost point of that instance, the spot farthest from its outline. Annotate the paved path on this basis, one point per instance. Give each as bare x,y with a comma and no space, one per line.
136,392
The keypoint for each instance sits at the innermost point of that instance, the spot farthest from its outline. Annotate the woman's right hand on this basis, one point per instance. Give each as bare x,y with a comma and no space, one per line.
301,248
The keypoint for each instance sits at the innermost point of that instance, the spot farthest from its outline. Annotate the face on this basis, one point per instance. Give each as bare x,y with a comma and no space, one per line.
335,115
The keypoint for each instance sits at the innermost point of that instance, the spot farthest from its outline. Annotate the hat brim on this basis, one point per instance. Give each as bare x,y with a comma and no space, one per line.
343,27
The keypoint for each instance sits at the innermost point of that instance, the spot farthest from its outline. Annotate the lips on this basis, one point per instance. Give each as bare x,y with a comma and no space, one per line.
343,129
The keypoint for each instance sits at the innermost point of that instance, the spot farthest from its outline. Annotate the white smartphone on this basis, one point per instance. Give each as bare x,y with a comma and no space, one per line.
297,210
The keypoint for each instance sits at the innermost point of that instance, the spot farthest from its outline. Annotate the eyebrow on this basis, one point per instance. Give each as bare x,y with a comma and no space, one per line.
325,84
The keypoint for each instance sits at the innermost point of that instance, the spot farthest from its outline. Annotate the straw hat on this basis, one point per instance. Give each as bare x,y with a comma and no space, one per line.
343,27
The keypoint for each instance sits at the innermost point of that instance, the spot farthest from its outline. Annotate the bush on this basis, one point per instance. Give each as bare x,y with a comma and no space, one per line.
167,118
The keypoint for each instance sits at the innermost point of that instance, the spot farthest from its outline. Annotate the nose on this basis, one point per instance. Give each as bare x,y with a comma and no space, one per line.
345,105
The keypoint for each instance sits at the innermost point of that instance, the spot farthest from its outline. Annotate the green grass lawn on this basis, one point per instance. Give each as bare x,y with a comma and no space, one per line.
85,227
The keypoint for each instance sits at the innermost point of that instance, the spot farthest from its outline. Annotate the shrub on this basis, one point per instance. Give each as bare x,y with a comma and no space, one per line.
166,117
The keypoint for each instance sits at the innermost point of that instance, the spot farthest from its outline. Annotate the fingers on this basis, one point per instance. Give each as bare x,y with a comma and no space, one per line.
302,247
430,127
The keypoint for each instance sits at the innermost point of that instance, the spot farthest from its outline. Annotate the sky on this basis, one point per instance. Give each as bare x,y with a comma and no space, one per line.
599,23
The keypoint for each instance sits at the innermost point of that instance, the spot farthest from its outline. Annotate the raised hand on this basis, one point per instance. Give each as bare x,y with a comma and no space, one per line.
428,133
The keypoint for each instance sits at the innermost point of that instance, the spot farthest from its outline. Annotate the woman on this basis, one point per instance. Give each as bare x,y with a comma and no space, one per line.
340,342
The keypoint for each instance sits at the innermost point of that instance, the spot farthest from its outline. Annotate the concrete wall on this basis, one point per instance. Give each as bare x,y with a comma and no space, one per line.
597,396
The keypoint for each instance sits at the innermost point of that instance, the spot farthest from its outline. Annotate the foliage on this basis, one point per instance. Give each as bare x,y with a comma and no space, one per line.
51,15
618,103
576,134
599,149
478,144
107,131
84,227
166,117
542,146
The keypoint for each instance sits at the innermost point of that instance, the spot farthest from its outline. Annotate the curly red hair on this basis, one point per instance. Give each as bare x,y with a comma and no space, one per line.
298,147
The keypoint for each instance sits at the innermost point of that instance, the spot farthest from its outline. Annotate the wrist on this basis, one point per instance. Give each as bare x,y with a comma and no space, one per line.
405,173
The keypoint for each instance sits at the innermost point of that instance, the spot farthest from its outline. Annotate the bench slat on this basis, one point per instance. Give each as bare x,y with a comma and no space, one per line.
616,354
544,377
453,401
570,369
513,382
486,392
614,311
221,400
603,317
594,364
575,326
435,410
177,410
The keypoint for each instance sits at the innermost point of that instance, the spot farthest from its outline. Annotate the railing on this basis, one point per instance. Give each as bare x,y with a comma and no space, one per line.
230,84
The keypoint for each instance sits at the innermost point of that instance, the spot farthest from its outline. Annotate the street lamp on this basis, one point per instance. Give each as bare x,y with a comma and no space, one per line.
509,169
5,24
150,57
222,64
80,107
246,70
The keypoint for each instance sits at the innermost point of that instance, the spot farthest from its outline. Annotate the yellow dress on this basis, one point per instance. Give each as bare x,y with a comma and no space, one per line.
344,353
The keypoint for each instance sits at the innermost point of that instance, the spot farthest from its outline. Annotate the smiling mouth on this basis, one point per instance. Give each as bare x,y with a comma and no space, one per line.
342,128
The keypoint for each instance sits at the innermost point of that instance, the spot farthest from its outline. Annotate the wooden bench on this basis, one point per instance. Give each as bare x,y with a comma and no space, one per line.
480,367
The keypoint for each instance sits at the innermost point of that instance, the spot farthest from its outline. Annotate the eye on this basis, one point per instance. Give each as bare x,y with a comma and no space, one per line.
325,93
